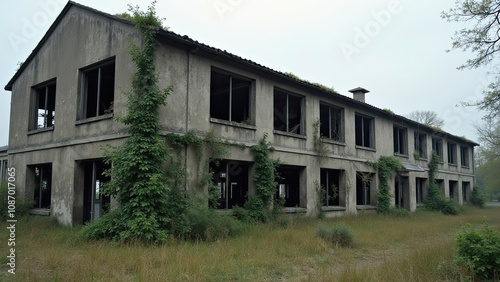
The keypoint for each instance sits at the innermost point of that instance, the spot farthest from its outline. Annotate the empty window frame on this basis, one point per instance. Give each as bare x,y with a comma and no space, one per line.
464,156
230,97
95,203
98,90
331,122
452,153
453,189
4,169
364,131
330,187
437,146
420,189
43,186
400,138
466,192
420,145
44,106
363,187
230,178
288,116
288,185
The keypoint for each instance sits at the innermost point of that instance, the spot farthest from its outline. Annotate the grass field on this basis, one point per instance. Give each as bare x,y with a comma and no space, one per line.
414,248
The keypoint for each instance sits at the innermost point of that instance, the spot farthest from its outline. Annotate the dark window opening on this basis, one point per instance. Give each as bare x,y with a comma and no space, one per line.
421,145
364,131
288,185
288,112
231,181
437,146
230,97
465,191
331,123
464,156
453,189
363,187
400,140
420,189
45,106
452,153
440,184
96,204
4,169
401,197
43,186
330,187
98,90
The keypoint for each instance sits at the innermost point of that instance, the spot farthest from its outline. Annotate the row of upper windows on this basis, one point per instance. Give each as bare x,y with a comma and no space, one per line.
231,99
96,96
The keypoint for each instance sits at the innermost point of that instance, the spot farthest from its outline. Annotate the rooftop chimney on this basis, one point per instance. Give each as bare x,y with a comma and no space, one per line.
358,94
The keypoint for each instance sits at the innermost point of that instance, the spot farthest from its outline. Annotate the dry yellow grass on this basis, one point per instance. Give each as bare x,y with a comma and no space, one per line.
386,249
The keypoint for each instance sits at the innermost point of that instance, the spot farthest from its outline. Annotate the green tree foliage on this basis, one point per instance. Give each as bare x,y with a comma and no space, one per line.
387,167
488,172
137,178
480,251
477,198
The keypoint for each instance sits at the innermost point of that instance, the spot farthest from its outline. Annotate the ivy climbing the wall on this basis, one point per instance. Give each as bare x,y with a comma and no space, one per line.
137,177
387,167
260,207
435,200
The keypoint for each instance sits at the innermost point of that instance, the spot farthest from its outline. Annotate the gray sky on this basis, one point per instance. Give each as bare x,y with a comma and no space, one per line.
394,48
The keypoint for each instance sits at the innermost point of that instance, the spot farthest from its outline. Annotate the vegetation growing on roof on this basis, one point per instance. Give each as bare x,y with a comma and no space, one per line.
317,84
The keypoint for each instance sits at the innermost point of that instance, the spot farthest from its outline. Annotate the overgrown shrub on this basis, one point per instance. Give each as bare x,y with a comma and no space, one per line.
105,227
480,251
477,198
399,212
208,225
21,207
339,235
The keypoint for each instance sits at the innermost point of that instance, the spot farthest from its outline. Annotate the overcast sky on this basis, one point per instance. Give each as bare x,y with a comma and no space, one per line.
395,49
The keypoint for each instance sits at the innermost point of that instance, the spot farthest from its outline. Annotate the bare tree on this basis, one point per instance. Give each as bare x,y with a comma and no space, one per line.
426,117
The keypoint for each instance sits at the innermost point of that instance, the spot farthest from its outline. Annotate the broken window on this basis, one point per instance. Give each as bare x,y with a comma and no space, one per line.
43,185
44,109
230,97
331,122
363,187
437,146
98,88
400,138
288,112
95,204
364,131
288,185
452,153
231,181
420,189
420,145
330,187
464,156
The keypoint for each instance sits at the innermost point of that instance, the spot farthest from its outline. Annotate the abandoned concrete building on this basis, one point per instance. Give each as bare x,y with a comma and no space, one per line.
67,92
3,163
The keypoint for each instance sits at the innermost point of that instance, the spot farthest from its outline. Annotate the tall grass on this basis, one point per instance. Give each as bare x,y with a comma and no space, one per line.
385,249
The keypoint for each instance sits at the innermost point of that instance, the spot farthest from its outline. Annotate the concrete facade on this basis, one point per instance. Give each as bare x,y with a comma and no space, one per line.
63,154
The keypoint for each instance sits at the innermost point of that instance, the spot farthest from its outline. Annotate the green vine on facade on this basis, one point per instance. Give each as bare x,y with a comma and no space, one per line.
319,145
260,207
137,180
387,167
435,200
